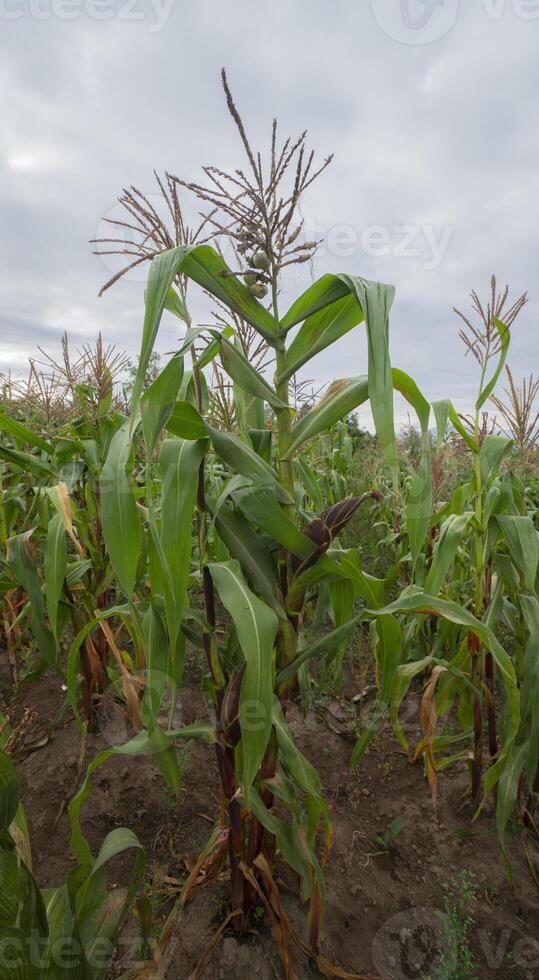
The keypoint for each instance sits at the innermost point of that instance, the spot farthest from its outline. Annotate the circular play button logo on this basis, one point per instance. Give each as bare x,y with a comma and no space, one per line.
415,21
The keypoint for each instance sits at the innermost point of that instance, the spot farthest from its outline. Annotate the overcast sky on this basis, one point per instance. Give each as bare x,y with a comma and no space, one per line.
431,111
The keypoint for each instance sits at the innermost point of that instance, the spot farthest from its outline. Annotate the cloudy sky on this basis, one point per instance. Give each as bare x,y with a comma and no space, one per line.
429,106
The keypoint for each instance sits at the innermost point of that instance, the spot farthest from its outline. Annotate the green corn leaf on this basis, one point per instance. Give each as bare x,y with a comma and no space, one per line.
530,683
145,743
310,481
188,391
23,569
375,300
523,542
248,548
55,567
507,793
444,410
175,305
260,439
156,649
205,266
9,792
493,450
322,293
28,463
99,913
256,626
326,644
244,374
294,761
21,903
505,339
288,841
388,646
342,398
23,434
416,601
163,270
341,597
419,497
321,330
120,515
445,549
158,401
179,463
242,459
260,506
441,414
60,922
186,422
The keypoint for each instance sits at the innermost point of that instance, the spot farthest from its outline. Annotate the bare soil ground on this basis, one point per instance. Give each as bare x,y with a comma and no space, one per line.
382,909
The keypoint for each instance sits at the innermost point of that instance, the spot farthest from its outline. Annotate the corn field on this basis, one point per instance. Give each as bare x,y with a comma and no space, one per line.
218,513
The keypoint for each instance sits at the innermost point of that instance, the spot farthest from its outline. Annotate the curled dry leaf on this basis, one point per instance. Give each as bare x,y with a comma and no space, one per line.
428,719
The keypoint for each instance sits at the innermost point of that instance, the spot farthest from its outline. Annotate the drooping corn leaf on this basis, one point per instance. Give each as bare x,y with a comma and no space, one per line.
175,304
322,293
260,506
444,410
375,301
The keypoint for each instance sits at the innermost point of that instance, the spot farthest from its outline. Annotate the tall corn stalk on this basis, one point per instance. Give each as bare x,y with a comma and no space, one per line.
274,559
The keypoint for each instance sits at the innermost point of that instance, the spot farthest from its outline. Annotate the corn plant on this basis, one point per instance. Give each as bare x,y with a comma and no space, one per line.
55,497
251,549
488,518
64,932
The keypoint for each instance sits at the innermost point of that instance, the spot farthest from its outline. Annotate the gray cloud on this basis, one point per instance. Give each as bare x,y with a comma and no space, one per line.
440,135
